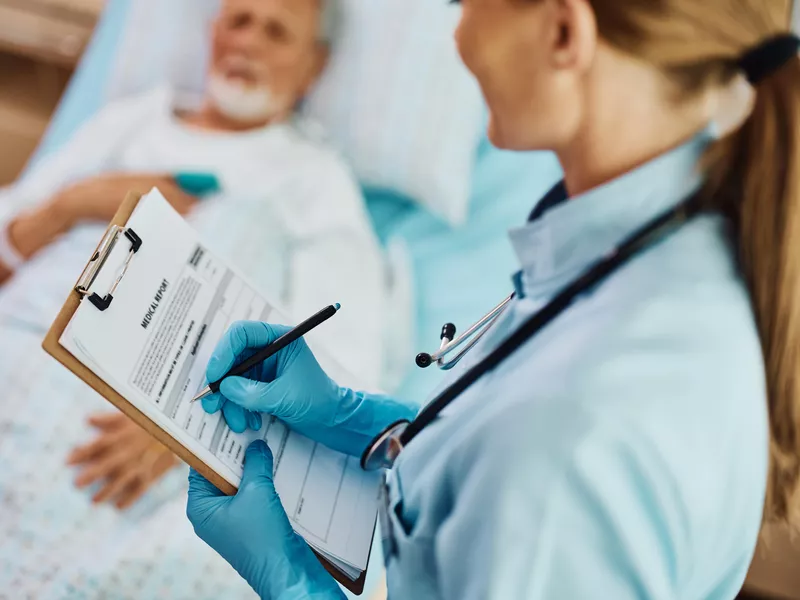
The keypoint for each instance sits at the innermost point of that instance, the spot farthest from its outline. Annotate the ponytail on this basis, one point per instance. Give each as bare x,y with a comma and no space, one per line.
755,180
753,175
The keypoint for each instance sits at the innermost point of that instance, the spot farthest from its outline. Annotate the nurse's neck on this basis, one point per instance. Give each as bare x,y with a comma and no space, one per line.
630,116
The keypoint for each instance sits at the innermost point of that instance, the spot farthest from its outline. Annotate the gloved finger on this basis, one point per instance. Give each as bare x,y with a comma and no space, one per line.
201,488
254,421
241,336
203,500
258,396
235,417
258,465
213,403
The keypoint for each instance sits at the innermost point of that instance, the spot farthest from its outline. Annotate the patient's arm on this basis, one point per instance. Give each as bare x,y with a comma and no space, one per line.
89,152
63,187
93,199
123,459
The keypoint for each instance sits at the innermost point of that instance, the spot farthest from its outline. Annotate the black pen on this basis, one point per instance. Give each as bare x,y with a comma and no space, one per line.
272,349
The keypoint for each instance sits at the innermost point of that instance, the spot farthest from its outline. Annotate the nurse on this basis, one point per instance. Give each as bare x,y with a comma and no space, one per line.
644,421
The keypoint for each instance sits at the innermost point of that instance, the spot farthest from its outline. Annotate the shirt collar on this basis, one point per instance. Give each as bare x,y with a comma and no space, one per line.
556,195
565,237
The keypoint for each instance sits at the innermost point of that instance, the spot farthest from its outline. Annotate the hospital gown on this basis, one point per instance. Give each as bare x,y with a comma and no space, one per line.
290,218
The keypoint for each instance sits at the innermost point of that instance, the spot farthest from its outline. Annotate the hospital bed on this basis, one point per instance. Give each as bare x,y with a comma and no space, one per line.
458,272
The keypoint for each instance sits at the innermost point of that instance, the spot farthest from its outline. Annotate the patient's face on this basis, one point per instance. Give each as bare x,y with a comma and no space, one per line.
265,56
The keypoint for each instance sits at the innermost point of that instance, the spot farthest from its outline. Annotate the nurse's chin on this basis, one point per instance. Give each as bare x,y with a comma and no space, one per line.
506,136
495,134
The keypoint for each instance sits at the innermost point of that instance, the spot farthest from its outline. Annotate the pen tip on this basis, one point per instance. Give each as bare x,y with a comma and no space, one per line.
337,306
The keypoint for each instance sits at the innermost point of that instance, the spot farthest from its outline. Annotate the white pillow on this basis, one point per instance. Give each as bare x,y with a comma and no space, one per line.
400,105
163,42
395,98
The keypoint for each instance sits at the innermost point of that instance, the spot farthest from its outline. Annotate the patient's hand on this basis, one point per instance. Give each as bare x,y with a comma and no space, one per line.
123,457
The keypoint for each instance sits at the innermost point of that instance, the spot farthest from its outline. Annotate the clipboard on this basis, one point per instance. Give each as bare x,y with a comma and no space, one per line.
118,233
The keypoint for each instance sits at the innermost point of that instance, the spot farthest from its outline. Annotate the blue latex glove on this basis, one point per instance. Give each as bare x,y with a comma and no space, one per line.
292,386
238,419
252,532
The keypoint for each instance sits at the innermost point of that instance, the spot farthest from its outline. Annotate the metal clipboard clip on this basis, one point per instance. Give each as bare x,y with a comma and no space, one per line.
98,260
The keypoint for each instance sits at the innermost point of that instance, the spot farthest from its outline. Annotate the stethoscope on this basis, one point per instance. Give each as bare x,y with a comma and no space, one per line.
382,452
470,337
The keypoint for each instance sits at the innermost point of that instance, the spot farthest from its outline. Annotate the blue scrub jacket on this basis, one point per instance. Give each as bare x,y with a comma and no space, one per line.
620,454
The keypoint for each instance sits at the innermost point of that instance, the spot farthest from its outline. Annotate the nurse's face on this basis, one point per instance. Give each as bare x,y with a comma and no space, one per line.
532,59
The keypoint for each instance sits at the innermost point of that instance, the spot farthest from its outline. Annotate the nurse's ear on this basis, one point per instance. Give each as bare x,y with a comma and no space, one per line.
573,34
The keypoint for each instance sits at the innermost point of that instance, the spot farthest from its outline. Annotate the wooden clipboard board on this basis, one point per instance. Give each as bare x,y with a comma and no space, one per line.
52,346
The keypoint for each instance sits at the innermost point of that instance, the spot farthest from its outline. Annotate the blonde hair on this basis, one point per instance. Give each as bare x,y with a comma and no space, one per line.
753,177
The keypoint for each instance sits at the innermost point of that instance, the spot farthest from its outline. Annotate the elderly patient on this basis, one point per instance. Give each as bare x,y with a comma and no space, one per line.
265,193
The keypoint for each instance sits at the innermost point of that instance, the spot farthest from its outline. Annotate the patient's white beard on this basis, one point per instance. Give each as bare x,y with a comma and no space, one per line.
240,103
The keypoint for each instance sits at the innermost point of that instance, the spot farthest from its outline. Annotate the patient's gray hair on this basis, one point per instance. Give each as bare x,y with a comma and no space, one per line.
331,19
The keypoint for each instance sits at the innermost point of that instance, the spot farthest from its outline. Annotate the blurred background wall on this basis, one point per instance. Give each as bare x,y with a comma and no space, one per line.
41,42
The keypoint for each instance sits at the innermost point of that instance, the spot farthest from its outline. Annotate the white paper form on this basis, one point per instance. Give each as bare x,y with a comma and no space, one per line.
152,346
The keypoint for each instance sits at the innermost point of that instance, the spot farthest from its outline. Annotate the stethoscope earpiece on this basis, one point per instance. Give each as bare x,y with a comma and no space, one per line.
424,360
451,343
448,333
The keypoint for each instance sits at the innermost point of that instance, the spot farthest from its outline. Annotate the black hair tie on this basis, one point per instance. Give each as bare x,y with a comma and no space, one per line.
769,56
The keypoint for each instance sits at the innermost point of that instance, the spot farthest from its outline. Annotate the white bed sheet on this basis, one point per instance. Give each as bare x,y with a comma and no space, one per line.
55,543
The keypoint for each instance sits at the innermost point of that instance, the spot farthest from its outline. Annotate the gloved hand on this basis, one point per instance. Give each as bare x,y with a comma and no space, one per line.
292,386
252,532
